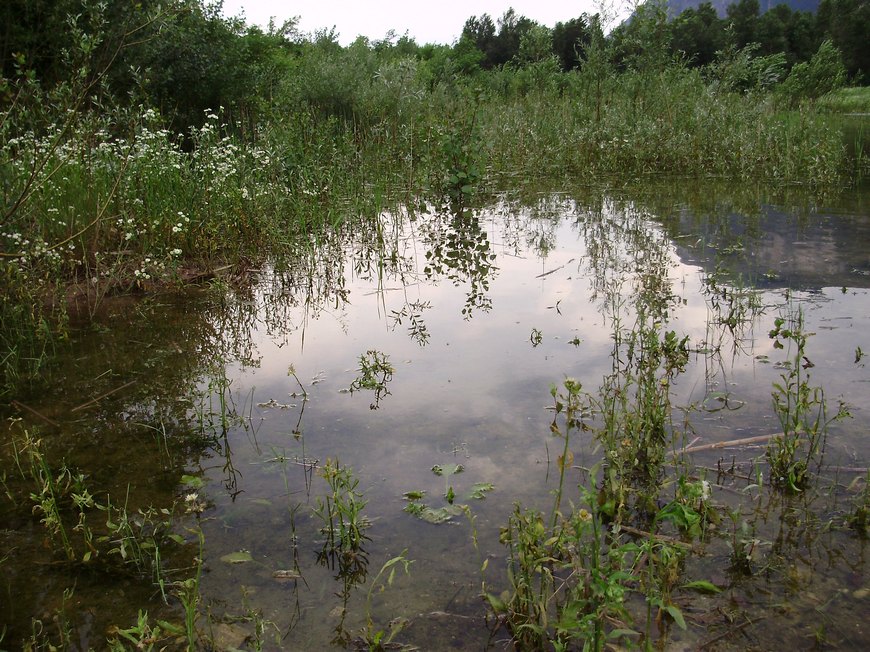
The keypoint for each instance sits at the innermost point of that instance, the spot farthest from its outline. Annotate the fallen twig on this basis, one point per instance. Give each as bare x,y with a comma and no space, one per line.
728,444
659,537
102,396
728,633
21,406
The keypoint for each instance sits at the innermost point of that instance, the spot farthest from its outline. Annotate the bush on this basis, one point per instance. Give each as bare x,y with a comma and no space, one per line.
820,75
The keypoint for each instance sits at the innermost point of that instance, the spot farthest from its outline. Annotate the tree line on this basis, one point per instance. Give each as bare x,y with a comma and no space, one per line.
184,56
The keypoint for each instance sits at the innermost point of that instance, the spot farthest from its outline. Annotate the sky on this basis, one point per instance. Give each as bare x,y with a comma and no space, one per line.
433,21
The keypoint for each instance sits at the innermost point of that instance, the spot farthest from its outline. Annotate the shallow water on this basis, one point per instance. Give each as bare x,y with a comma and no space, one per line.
479,314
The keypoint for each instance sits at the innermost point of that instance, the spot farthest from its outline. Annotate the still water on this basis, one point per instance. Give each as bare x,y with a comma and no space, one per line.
247,389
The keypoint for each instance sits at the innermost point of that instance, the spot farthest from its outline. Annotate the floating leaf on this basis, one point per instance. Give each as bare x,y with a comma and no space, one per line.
480,489
192,481
702,586
413,495
240,557
448,469
440,515
435,516
286,575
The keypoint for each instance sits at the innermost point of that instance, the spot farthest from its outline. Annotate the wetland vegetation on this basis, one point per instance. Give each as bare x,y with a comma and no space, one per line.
551,338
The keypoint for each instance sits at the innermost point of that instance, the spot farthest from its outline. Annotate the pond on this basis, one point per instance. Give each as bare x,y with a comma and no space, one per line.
412,356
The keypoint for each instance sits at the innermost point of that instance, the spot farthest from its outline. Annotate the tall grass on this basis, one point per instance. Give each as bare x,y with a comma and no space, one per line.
672,122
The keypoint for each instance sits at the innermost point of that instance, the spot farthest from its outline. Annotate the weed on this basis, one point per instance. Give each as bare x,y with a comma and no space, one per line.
188,593
743,544
374,638
445,513
636,411
800,408
341,510
859,518
375,372
143,635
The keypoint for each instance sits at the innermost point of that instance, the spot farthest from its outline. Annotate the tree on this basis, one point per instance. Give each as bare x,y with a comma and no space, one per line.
811,79
643,43
570,40
743,21
698,34
847,24
772,30
480,32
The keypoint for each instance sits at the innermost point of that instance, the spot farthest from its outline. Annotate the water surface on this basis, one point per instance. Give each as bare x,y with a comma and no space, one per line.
479,312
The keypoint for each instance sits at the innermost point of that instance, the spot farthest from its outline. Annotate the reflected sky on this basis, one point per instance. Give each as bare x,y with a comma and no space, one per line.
479,314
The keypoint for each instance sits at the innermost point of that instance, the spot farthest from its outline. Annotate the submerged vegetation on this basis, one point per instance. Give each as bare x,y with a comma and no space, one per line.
120,178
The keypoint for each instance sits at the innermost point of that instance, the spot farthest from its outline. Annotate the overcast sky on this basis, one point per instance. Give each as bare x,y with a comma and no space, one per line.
431,21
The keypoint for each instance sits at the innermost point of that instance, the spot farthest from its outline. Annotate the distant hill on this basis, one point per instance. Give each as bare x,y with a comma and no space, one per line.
676,7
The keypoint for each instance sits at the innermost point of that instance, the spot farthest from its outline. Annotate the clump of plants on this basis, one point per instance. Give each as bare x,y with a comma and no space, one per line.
375,372
341,511
801,409
451,508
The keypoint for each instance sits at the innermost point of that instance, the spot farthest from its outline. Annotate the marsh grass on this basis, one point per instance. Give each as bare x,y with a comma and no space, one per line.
846,100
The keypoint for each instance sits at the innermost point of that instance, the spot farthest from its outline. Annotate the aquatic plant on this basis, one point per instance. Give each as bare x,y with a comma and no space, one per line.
341,510
375,372
374,638
446,512
800,407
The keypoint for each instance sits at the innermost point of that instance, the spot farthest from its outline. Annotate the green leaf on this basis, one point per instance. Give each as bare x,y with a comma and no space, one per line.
240,557
169,627
480,489
413,495
448,470
440,515
702,586
677,615
192,481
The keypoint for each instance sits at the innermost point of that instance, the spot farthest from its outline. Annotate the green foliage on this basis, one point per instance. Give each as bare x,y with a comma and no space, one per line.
341,511
445,513
279,132
846,24
820,75
568,582
570,40
743,21
847,100
742,71
698,34
800,408
375,372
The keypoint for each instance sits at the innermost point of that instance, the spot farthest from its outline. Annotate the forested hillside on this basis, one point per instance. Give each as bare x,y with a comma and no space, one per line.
676,7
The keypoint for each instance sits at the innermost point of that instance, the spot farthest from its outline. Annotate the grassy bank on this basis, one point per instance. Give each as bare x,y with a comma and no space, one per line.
847,100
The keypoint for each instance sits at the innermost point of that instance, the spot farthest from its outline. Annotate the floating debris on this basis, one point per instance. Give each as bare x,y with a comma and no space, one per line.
240,557
272,403
286,575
